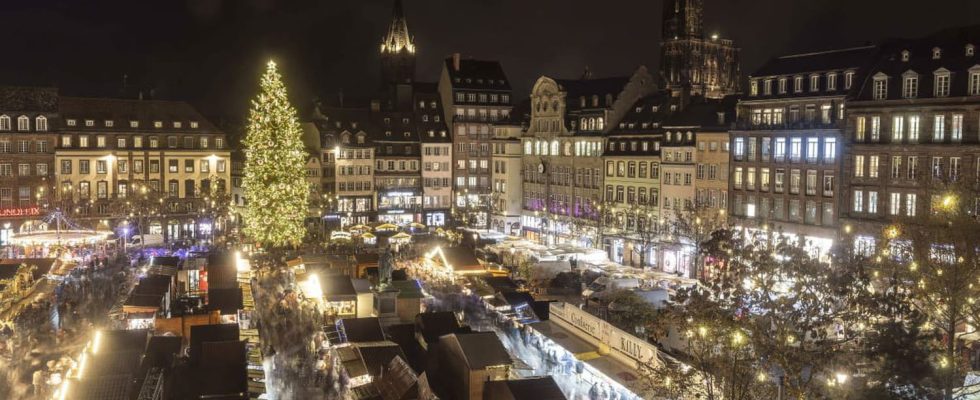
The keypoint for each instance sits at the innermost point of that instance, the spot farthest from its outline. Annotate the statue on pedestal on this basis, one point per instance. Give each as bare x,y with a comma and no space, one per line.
385,266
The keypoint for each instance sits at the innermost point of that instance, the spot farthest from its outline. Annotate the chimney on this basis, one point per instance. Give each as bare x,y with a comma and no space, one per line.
340,97
721,118
456,62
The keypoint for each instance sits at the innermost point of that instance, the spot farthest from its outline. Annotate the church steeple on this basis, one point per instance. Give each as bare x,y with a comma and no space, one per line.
397,50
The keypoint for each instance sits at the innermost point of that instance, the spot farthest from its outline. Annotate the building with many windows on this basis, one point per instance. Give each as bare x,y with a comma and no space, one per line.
28,124
112,152
475,93
505,211
709,66
437,156
347,158
786,148
913,128
562,152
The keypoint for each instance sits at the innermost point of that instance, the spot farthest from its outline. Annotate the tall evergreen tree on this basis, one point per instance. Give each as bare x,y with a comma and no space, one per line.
275,181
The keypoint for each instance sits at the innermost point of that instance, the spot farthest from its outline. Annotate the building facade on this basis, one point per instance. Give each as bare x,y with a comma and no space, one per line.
505,214
913,130
29,118
708,66
562,153
475,94
116,159
787,145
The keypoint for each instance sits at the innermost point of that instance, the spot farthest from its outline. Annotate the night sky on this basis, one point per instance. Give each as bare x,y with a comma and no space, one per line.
210,51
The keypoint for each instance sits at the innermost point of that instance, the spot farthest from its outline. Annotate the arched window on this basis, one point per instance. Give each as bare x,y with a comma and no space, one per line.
609,100
591,124
568,148
41,123
584,124
554,148
539,149
600,124
595,100
23,123
554,105
527,148
4,123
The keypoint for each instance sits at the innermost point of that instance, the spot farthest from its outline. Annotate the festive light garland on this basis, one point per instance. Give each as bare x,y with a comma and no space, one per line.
275,177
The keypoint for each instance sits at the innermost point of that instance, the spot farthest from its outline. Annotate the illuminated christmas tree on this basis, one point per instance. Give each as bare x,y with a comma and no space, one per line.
275,181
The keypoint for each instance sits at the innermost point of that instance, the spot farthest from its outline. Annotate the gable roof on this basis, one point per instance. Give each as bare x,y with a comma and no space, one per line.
361,329
124,110
477,74
479,349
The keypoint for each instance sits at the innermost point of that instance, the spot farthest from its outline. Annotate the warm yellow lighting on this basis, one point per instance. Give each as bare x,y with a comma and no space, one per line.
738,338
761,377
847,229
63,393
892,232
949,201
311,287
97,342
790,339
702,331
81,365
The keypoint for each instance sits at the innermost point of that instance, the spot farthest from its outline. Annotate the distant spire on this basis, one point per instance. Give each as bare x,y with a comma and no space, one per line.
397,38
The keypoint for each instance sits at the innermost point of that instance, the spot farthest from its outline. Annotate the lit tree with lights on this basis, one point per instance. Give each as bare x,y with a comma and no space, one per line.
275,167
929,263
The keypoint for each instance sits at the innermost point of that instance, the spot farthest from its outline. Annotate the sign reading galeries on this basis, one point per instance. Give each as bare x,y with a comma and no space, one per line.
20,212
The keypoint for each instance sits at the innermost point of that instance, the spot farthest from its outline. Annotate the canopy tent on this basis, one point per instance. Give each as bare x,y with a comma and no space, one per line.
400,238
417,225
360,227
386,227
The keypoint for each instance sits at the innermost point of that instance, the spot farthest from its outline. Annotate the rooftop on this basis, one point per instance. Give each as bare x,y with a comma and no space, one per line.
145,112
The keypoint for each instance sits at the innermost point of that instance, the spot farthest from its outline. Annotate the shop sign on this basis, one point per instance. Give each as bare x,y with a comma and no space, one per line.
20,212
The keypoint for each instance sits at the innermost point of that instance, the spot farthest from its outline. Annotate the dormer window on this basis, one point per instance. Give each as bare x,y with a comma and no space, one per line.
797,84
345,138
754,88
404,121
134,124
158,124
910,85
639,109
595,100
782,85
70,122
177,125
905,55
89,122
387,121
767,87
407,134
387,133
936,53
193,124
880,87
108,123
970,50
941,84
831,81
673,107
360,138
655,108
353,125
814,82
848,79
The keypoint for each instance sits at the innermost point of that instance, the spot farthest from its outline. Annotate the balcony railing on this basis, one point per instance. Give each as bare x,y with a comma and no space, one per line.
746,125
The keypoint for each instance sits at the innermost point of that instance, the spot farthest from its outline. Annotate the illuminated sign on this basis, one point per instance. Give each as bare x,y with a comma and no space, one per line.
20,212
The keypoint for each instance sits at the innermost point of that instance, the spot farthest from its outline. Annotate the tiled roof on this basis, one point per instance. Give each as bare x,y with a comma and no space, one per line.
952,45
805,63
477,74
121,111
28,99
575,89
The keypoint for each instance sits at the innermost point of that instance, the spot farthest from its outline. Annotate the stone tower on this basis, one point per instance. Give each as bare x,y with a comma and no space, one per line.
397,51
708,66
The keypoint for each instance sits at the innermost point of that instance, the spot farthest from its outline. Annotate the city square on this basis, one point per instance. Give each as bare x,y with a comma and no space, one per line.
412,199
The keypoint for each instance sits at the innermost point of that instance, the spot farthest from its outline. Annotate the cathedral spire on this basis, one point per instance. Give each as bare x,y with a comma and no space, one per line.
397,38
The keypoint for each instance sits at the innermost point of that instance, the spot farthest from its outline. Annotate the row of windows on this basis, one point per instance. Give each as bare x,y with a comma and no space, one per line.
633,195
794,114
492,98
910,127
122,142
483,115
867,202
745,178
354,186
830,83
566,176
581,148
402,165
435,182
24,123
483,164
132,123
632,169
814,213
23,169
24,146
123,166
634,145
675,179
941,81
907,167
192,188
436,166
745,149
471,182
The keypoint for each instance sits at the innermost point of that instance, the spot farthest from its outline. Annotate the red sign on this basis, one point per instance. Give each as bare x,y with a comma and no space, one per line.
20,212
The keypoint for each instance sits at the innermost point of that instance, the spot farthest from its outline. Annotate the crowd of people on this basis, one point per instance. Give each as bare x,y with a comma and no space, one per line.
51,324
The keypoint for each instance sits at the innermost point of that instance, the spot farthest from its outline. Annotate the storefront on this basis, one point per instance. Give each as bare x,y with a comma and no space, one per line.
435,218
398,217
